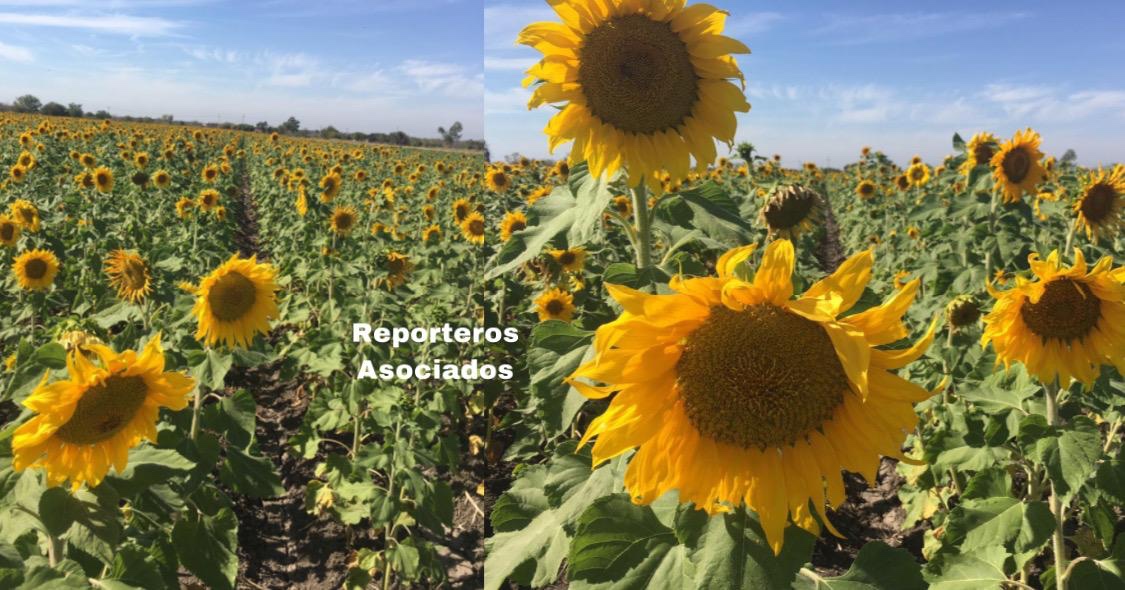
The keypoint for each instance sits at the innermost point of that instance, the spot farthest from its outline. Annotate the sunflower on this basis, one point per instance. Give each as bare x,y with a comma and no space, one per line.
343,220
461,209
1063,324
902,182
1016,166
962,311
26,214
610,60
140,160
497,180
431,234
208,199
555,304
979,152
918,174
88,422
792,210
330,184
1099,208
865,189
302,202
184,207
9,231
571,259
162,179
88,160
103,179
235,302
129,274
17,173
35,270
473,228
396,266
220,213
210,173
513,222
736,393
622,205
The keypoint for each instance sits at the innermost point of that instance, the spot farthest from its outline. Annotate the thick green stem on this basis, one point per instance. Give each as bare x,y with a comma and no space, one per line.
1058,544
195,409
643,224
55,548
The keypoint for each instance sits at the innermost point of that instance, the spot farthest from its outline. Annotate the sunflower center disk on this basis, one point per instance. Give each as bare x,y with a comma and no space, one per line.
1067,311
761,377
135,274
104,410
7,232
789,210
231,297
982,154
554,307
35,269
637,75
1017,163
1098,202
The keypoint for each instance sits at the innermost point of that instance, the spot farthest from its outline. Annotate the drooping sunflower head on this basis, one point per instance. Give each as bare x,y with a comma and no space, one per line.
570,259
103,179
129,275
792,210
1062,324
35,270
472,228
330,184
87,423
555,304
513,222
497,180
865,189
26,214
9,231
962,311
979,151
734,392
1016,167
344,220
235,302
396,266
608,61
1098,210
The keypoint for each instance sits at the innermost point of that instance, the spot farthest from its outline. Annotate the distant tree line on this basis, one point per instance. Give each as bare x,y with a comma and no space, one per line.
450,138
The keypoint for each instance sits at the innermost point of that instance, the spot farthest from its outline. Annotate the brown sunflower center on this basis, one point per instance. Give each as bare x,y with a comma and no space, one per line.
637,74
982,153
135,273
1016,165
35,269
345,221
1068,310
554,307
231,297
761,377
104,410
917,173
1098,202
7,232
476,227
789,208
28,215
866,188
566,258
517,225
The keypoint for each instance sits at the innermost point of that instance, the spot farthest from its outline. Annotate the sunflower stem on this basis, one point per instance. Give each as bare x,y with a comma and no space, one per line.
1070,237
1058,544
55,549
644,227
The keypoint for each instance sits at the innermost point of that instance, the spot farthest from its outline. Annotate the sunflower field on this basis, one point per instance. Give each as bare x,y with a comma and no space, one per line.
745,375
180,407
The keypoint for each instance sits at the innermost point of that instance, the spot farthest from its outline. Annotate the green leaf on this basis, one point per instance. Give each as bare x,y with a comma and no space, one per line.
988,483
252,475
1070,453
212,369
556,350
626,546
116,314
979,570
52,355
1100,574
206,547
149,466
58,510
1111,480
1020,527
733,553
877,567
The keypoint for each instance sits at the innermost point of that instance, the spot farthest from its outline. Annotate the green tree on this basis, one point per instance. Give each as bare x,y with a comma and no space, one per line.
27,103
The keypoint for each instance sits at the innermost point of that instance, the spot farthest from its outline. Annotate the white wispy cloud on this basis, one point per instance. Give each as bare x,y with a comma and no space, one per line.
512,100
446,78
1048,103
15,53
508,63
503,22
881,28
122,24
752,23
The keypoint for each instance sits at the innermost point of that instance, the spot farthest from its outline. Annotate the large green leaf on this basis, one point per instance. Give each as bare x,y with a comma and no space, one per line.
980,570
206,546
620,545
877,567
733,553
1069,453
1021,527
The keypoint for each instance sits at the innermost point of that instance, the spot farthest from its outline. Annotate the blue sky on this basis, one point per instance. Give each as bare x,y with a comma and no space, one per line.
361,65
826,78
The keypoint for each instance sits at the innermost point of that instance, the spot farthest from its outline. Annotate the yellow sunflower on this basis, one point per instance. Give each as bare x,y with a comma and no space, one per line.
17,173
1064,324
918,174
235,302
396,266
513,222
646,85
555,304
35,270
736,393
865,189
330,184
1016,168
461,209
162,179
88,422
210,173
979,151
343,220
103,179
129,274
184,207
497,181
9,231
1098,210
431,234
26,214
570,259
473,228
88,160
792,210
208,199
622,205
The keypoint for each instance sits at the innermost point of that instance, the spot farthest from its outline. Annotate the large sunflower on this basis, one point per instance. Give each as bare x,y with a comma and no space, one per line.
1099,208
979,151
1064,324
35,270
1016,168
646,84
396,266
88,422
9,231
129,274
235,302
735,392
